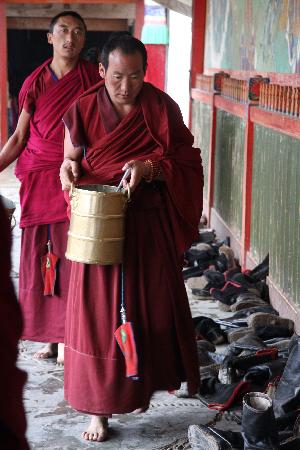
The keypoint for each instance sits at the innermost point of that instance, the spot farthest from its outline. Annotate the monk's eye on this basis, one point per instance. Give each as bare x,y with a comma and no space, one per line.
78,33
117,77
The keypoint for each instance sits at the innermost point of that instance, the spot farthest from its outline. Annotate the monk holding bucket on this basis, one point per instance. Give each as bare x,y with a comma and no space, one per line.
124,123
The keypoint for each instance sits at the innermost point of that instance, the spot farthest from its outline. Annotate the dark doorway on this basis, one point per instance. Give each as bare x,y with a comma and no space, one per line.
27,49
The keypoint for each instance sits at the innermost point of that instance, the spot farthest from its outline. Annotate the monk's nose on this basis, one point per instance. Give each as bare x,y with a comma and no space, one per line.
125,86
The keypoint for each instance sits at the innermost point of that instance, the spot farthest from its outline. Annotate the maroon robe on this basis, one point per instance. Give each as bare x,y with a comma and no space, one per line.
162,221
41,197
12,379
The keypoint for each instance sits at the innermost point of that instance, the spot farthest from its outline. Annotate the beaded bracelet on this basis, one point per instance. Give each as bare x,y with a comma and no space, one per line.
154,170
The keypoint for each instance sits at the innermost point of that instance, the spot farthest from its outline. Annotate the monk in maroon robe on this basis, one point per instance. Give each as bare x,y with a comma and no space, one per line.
12,379
38,143
124,123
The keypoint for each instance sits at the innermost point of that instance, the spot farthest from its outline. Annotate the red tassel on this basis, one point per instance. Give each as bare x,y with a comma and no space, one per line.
125,338
49,262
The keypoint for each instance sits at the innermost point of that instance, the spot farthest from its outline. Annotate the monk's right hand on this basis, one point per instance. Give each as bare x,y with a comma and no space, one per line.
69,173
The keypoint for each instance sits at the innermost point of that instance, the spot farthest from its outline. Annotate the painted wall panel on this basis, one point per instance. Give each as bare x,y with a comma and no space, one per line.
260,35
229,165
201,131
275,223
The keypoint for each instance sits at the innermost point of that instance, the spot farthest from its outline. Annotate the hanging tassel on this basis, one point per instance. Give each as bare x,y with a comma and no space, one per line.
49,263
125,338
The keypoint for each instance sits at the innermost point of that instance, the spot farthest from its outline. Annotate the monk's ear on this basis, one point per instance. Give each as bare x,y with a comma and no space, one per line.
49,38
102,70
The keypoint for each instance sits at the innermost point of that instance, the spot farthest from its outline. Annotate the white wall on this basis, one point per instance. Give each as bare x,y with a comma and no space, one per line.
178,61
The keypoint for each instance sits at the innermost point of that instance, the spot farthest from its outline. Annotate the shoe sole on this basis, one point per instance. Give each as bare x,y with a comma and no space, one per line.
202,439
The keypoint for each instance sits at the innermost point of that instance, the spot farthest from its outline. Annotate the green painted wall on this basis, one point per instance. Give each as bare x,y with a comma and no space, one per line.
229,163
275,226
201,131
260,35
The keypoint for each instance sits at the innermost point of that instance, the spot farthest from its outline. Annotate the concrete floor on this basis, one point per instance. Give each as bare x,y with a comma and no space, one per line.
53,425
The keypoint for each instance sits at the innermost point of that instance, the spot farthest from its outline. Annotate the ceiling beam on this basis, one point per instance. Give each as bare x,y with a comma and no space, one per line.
39,23
181,7
101,11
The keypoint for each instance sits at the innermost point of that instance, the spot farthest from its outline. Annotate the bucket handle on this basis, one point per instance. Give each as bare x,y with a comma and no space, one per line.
71,192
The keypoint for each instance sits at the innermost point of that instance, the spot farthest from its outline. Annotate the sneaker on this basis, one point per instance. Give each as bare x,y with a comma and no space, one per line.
264,319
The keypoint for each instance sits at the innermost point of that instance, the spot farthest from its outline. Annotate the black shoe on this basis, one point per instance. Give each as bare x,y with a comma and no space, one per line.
214,278
208,329
202,294
228,294
259,272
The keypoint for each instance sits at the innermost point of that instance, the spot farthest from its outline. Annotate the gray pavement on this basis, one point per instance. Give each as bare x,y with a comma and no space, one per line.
54,425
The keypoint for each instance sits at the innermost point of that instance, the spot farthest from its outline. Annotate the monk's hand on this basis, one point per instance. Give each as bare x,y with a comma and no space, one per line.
69,173
138,170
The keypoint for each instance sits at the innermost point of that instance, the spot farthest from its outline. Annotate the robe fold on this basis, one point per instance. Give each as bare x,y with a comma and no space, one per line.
161,222
41,197
12,379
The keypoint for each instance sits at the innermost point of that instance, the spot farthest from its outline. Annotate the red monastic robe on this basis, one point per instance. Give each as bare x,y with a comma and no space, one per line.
12,379
162,221
41,197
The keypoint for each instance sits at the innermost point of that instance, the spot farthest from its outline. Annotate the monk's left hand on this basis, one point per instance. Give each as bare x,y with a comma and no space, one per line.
139,170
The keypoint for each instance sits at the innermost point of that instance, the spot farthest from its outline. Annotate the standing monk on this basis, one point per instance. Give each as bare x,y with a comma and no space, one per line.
123,123
38,144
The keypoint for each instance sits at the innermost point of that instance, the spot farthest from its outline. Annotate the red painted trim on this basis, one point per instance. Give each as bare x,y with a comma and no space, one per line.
203,96
289,79
198,44
211,159
3,75
232,107
277,121
198,38
139,18
247,189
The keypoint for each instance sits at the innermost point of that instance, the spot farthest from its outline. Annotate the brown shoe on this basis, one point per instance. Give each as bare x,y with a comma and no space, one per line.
265,319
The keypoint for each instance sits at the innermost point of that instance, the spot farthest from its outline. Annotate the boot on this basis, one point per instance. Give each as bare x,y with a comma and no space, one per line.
258,423
287,396
202,437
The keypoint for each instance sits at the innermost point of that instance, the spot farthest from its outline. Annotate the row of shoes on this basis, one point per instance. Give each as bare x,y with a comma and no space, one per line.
258,370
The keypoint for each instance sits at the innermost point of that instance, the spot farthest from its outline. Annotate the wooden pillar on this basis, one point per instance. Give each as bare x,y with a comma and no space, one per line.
139,18
247,189
198,39
3,75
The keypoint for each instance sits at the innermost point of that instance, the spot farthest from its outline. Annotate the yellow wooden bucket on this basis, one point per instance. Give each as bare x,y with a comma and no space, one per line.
97,226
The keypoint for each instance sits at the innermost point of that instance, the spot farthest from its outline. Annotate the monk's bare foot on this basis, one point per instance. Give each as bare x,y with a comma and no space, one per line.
48,351
141,410
60,354
98,429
